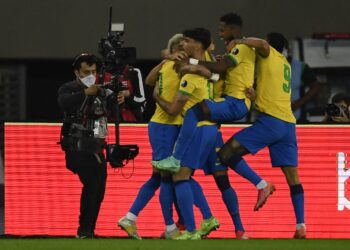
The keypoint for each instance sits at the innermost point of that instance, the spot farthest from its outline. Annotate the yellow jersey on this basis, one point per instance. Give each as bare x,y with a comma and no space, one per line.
218,85
197,88
208,56
273,86
168,81
241,76
218,89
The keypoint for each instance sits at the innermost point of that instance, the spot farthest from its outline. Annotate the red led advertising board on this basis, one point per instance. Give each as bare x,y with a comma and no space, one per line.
42,196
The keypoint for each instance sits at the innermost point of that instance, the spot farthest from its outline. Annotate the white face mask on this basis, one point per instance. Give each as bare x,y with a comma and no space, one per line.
285,53
88,80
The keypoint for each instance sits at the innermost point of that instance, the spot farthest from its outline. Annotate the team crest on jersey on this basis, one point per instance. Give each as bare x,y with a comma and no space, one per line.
235,51
184,84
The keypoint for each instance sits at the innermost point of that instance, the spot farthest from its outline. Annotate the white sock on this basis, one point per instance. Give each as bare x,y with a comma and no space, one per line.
170,228
298,226
131,216
262,184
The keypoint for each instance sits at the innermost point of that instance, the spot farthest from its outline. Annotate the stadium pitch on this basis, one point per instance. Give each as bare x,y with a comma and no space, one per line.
156,244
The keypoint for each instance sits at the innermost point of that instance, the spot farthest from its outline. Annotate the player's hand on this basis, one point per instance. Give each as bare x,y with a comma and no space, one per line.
250,93
179,64
179,56
92,90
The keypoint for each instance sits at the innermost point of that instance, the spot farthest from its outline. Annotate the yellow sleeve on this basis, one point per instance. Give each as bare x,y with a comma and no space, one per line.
238,53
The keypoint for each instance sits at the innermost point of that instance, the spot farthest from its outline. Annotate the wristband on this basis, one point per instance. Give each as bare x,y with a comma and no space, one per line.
193,61
215,77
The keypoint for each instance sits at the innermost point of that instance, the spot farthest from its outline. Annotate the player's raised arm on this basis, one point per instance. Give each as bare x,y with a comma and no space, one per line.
172,108
261,46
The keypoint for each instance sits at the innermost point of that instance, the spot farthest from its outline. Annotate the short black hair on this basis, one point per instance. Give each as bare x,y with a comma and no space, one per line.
89,58
339,97
201,35
277,41
232,18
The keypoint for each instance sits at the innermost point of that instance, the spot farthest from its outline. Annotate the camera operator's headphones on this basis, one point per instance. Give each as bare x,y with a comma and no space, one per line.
85,56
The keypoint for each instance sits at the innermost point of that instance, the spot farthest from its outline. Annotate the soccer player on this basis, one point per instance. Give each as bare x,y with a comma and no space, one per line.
193,89
163,130
238,68
215,169
275,127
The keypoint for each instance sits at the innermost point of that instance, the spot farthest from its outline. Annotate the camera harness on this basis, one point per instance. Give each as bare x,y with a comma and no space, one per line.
88,128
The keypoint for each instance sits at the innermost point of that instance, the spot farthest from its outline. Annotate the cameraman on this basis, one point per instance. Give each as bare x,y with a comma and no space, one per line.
338,111
85,105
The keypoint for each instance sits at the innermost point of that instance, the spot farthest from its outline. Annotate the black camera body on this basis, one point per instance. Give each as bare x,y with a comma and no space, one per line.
336,110
114,56
78,138
117,154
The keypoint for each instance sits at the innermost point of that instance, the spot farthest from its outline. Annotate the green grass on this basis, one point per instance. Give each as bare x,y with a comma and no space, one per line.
154,244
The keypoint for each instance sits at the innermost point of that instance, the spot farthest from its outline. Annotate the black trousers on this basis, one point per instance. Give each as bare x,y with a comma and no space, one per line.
92,172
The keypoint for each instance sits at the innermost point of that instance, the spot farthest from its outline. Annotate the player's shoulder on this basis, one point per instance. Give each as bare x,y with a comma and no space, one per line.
169,64
243,50
243,47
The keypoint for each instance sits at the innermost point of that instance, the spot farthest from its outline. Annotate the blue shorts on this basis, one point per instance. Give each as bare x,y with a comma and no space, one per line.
279,136
162,138
200,150
227,110
213,163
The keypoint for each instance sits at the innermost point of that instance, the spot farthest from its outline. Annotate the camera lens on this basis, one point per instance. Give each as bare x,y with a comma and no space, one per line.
333,110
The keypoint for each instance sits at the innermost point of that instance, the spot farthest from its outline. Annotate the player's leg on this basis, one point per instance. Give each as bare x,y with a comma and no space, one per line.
184,197
199,112
209,222
228,194
230,199
199,199
162,138
226,109
194,158
297,197
249,140
166,199
285,153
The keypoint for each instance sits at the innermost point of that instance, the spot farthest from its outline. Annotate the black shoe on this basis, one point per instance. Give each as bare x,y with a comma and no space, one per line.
84,235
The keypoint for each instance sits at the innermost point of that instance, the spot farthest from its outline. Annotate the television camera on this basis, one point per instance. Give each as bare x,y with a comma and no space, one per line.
115,58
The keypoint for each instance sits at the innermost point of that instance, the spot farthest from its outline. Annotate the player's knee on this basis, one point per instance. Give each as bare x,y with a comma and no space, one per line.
201,111
222,182
224,155
198,112
184,174
231,153
291,174
229,160
154,181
